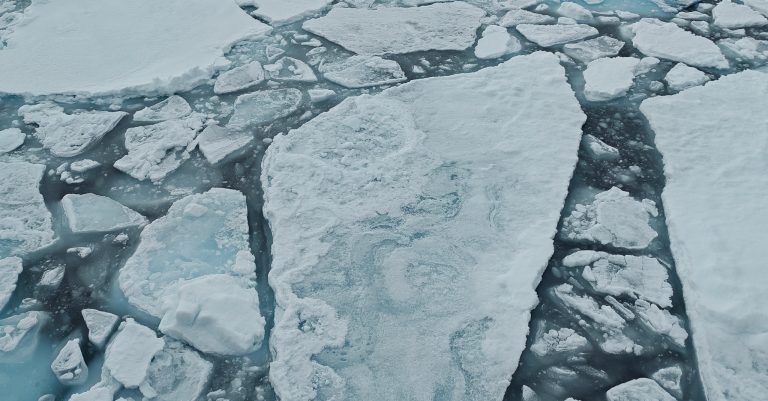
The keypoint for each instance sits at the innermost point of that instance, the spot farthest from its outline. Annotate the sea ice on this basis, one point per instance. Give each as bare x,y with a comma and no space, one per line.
669,378
52,278
395,30
218,143
745,49
176,373
172,108
682,77
67,135
661,322
555,35
668,41
201,234
496,42
19,335
599,150
154,151
562,341
575,11
130,352
609,78
409,233
363,71
713,138
290,69
593,49
90,213
108,46
518,16
25,222
239,78
100,325
11,139
320,95
10,268
639,390
280,12
760,6
730,15
263,107
614,218
69,365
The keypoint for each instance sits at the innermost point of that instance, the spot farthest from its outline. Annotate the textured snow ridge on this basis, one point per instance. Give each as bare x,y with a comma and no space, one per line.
394,30
409,233
82,46
713,139
25,222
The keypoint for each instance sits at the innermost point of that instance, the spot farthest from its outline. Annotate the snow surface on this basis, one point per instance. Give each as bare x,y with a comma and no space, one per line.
609,78
395,30
10,268
682,77
409,233
639,390
668,41
363,71
11,139
730,15
130,352
760,6
90,213
496,42
239,78
25,222
555,35
172,108
593,49
713,140
562,341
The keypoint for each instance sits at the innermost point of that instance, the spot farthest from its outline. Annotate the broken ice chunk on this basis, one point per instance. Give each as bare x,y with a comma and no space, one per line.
609,78
613,218
280,12
130,352
11,139
555,35
52,278
69,365
670,378
639,390
496,42
575,11
682,77
67,135
176,373
91,213
154,151
25,222
397,30
100,325
215,314
517,16
730,15
599,150
529,394
239,78
760,6
669,41
10,268
173,108
290,69
264,107
20,334
81,166
562,341
660,321
746,49
363,71
218,143
320,95
593,49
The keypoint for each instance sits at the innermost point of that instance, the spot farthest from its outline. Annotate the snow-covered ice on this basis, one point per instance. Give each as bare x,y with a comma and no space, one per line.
682,77
69,365
730,15
290,69
555,35
669,378
239,78
409,233
394,30
495,42
89,213
575,11
20,336
668,41
609,78
642,389
218,143
713,140
592,49
280,12
517,16
67,135
599,150
562,341
172,108
10,268
363,71
11,139
108,46
100,326
130,352
661,322
760,6
263,107
25,222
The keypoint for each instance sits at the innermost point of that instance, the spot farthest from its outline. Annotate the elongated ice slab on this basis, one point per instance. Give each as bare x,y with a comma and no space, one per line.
88,213
554,35
409,233
172,108
10,268
25,222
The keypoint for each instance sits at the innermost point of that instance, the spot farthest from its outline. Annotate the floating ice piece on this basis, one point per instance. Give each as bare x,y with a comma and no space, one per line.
529,394
219,143
682,77
518,16
52,278
215,314
173,108
239,78
717,236
396,30
662,322
11,139
67,135
100,325
599,150
496,42
10,268
83,165
154,151
19,336
637,276
90,213
363,71
730,15
263,107
668,41
614,219
320,95
25,222
290,69
638,390
201,234
108,46
670,378
609,78
69,366
281,12
555,35
760,6
350,231
746,49
562,341
575,11
104,390
592,49
130,352
176,373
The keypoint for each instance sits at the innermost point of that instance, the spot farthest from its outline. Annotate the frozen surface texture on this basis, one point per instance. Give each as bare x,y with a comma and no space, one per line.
88,213
172,108
639,390
10,268
363,71
441,26
11,139
25,222
409,233
668,41
713,139
82,46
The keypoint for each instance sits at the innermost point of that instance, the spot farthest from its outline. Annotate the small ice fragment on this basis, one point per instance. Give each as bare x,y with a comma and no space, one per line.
642,389
592,49
682,77
19,336
363,71
517,16
661,322
52,278
91,213
599,150
281,12
264,107
730,15
575,11
273,52
10,268
554,35
130,352
562,341
173,108
320,95
218,143
290,69
239,78
69,365
11,139
81,166
176,373
669,378
496,42
81,251
100,325
529,394
760,6
609,78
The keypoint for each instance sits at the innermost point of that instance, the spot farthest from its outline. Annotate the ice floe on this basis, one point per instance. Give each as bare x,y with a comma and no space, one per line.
668,41
599,150
562,341
639,390
682,77
363,71
25,222
89,213
496,42
609,78
402,214
100,326
239,78
172,108
280,12
290,69
264,107
517,16
592,49
69,365
11,139
730,15
555,35
218,144
10,268
130,352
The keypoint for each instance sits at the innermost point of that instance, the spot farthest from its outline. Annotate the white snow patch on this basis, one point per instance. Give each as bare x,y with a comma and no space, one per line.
730,15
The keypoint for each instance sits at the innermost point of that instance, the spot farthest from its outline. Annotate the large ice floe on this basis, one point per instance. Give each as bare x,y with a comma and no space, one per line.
409,233
25,222
106,46
713,140
668,41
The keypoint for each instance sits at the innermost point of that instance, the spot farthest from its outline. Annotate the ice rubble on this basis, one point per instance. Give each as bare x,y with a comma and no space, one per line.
609,78
682,77
10,268
100,326
263,107
172,108
639,390
555,35
394,30
730,15
290,69
89,213
218,144
669,378
11,139
593,49
367,258
239,78
496,42
562,341
69,365
67,135
668,41
280,12
713,140
363,71
614,218
599,150
25,222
